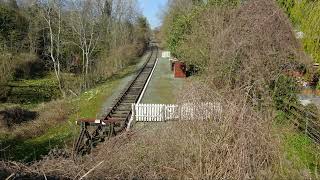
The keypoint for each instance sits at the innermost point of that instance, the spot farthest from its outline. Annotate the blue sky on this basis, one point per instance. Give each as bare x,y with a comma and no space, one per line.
152,9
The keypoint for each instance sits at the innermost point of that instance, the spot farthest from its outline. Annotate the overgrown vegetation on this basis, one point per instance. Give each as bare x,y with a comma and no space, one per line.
246,51
305,16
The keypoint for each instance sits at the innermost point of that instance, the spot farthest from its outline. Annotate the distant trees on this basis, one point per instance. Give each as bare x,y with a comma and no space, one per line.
142,31
13,29
13,4
121,36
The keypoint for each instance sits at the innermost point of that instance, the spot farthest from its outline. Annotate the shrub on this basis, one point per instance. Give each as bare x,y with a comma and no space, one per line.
284,91
6,72
181,27
27,66
237,145
33,91
116,59
228,45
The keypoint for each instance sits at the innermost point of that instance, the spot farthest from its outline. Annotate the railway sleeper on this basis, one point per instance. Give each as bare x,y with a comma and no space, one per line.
134,93
123,109
121,112
128,101
130,98
134,90
140,81
119,115
136,87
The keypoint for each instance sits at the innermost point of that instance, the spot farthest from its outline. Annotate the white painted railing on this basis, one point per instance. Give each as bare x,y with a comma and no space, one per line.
169,112
154,112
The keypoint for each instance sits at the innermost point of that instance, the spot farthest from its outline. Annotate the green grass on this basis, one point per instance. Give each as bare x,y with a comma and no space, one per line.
33,91
14,105
301,151
163,87
45,81
87,105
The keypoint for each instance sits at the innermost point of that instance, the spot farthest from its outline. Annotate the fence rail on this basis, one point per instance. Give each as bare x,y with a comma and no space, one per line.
169,112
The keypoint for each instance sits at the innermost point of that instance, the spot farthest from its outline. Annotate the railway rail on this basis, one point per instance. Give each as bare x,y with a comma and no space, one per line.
117,116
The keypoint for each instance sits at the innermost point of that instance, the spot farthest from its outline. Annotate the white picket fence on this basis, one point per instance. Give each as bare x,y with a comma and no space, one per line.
169,112
166,54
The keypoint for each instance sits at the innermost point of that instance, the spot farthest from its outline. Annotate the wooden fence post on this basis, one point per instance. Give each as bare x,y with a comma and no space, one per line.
134,112
163,112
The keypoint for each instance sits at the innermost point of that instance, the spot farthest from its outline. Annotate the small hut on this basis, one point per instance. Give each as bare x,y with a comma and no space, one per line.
179,68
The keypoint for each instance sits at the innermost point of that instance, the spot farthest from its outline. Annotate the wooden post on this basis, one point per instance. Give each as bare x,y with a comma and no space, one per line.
134,112
163,112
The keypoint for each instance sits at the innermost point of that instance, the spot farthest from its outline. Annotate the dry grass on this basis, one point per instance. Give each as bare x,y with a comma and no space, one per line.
49,115
236,146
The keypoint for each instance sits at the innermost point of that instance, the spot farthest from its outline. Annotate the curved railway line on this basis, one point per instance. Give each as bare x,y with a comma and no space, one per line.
116,118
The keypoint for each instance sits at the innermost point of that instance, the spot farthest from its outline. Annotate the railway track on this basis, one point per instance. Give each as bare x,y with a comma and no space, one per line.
116,118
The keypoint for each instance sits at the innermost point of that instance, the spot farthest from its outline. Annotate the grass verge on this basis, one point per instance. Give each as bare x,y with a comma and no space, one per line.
301,152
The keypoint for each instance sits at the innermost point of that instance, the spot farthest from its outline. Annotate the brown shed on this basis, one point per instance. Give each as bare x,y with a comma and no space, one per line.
179,69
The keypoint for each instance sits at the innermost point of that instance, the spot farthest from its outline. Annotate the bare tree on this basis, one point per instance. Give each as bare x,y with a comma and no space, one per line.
53,18
83,20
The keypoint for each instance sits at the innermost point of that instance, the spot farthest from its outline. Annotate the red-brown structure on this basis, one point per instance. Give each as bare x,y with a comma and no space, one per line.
179,69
